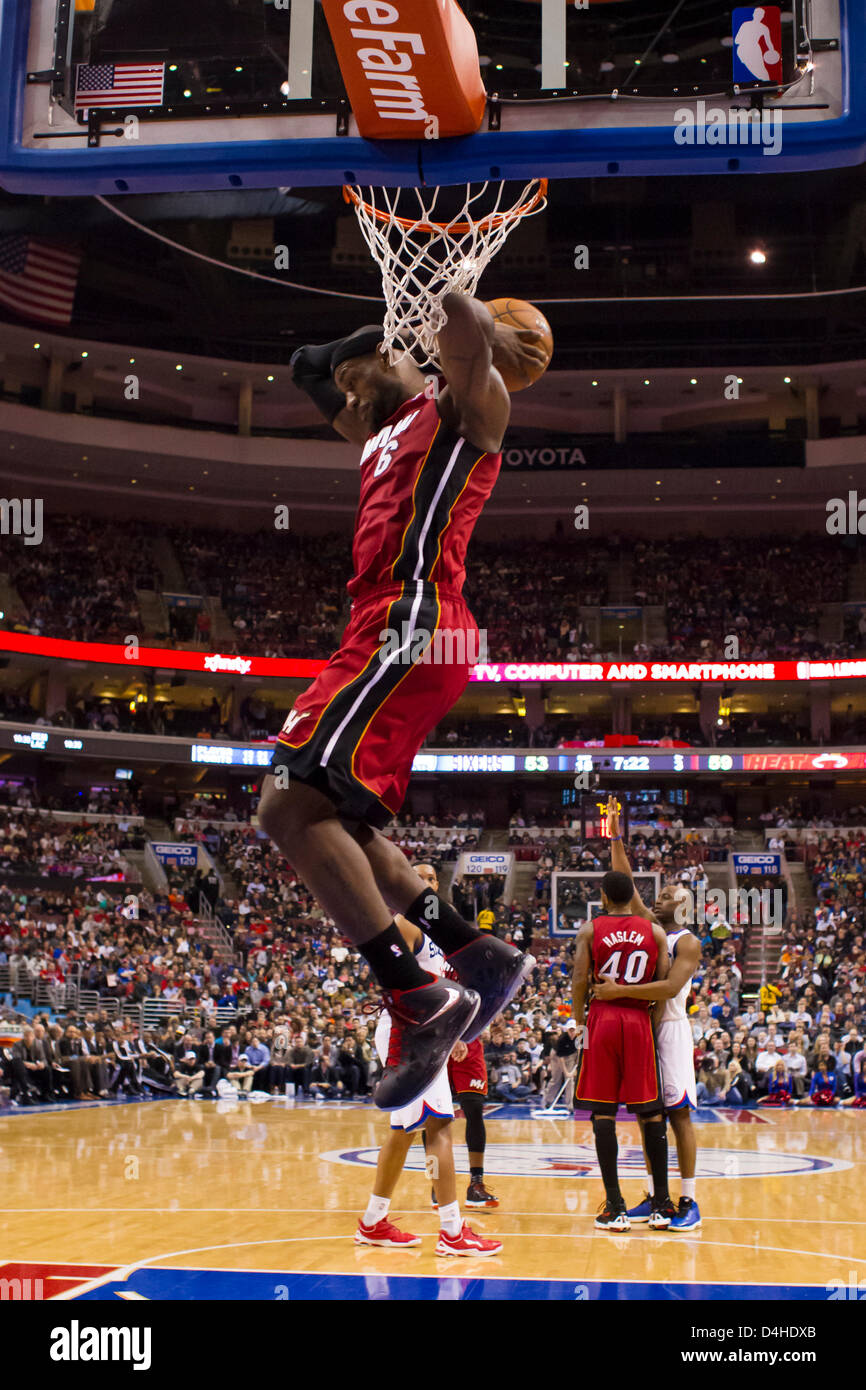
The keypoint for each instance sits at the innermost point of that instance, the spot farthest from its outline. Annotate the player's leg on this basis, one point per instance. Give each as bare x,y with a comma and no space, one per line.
688,1217
643,1211
476,1142
655,1138
303,823
480,961
613,1215
455,1236
374,1228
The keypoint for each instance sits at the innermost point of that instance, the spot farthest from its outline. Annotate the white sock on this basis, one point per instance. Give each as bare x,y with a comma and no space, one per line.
377,1209
650,1185
449,1219
688,1186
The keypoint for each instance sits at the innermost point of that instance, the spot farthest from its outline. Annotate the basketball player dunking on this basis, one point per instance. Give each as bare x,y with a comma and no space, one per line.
344,756
618,1064
432,1112
673,1034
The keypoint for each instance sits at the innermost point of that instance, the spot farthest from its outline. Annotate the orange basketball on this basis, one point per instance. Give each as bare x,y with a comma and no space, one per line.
521,314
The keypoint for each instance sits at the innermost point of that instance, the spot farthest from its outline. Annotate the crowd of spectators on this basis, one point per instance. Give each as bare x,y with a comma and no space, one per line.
765,590
35,845
284,593
291,1004
837,867
81,581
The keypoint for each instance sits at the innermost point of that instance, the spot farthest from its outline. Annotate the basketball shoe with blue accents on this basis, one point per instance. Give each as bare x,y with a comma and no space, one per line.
643,1211
688,1217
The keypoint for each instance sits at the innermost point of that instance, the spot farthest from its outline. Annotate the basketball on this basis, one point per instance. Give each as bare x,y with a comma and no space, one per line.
520,314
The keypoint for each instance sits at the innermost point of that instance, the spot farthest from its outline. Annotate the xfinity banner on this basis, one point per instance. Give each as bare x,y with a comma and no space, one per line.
757,863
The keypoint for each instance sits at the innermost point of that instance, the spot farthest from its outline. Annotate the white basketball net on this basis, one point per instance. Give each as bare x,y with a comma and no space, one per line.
422,259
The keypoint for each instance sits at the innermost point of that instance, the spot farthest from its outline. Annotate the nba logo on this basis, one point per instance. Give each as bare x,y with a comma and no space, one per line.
757,44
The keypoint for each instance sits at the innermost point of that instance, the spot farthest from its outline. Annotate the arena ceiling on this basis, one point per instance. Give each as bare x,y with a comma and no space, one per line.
653,245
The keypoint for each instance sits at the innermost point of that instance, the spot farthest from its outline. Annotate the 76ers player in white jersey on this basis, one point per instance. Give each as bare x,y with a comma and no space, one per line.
433,1111
674,1042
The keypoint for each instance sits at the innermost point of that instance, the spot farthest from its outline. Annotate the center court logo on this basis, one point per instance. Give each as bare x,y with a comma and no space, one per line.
579,1161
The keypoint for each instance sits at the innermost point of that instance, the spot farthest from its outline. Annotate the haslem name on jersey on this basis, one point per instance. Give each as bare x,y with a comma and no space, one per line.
386,440
623,938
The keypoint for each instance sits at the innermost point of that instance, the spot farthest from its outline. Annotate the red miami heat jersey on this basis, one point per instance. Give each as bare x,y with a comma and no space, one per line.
624,951
422,489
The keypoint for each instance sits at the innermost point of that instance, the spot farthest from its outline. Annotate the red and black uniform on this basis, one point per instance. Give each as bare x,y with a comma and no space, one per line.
355,731
470,1075
619,1065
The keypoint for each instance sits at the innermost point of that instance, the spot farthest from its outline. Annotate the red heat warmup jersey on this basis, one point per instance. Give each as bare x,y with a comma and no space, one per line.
422,489
624,951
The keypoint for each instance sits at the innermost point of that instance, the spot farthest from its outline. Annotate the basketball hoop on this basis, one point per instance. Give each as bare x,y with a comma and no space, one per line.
422,258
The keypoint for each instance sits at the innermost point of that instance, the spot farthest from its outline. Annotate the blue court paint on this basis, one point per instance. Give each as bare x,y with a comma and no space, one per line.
246,1285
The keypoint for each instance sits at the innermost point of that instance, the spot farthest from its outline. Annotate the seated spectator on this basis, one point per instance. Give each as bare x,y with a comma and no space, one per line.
511,1080
823,1090
259,1058
778,1086
858,1099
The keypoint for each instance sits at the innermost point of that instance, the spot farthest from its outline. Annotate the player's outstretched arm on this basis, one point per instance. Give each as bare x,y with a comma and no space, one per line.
685,963
472,348
619,859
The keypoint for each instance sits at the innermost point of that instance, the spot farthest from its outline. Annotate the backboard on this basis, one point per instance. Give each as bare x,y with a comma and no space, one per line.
109,96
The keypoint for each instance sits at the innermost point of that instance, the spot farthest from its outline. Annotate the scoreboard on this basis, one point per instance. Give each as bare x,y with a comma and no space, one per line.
256,757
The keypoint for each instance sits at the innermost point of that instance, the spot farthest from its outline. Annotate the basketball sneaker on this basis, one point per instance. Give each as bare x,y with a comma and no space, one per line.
612,1216
385,1233
496,970
467,1243
688,1217
426,1022
662,1215
643,1211
478,1196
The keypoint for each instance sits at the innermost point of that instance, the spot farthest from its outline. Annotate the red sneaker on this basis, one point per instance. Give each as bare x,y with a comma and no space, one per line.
467,1243
385,1233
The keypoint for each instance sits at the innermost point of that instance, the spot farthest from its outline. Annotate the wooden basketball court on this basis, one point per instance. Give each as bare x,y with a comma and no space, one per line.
173,1200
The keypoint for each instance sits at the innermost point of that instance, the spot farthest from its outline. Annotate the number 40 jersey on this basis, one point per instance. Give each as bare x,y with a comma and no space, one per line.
624,951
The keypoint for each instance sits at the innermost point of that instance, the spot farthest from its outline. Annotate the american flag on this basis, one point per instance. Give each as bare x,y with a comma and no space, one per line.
118,84
37,279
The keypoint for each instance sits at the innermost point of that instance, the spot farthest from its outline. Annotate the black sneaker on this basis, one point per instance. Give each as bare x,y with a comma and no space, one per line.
478,1196
496,970
661,1214
612,1216
426,1022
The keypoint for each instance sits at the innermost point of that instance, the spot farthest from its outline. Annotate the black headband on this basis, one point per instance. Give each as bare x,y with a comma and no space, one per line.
358,344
